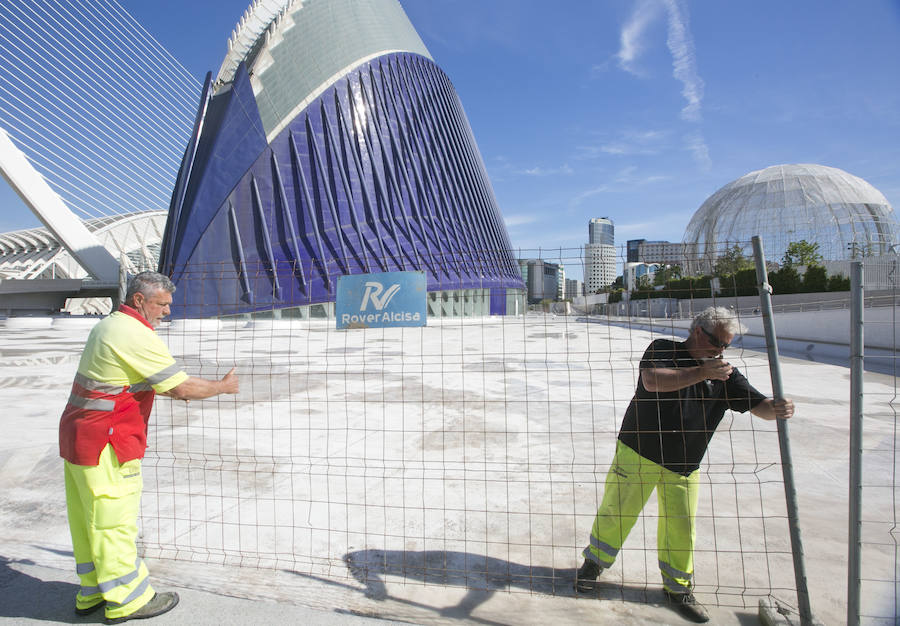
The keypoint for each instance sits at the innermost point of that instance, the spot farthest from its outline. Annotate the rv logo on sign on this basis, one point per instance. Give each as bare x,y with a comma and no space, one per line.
373,291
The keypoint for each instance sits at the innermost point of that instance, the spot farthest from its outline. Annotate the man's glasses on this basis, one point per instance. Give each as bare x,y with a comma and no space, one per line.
715,341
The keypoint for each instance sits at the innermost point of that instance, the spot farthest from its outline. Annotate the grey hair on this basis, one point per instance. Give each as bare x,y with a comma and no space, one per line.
148,283
718,317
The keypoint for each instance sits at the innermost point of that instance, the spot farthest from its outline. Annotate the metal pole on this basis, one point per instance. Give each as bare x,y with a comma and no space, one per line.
123,281
787,469
856,426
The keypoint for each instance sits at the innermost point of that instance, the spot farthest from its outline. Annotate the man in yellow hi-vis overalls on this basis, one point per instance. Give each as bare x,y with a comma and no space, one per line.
683,391
103,436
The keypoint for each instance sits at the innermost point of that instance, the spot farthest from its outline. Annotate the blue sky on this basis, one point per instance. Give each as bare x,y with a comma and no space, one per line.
636,110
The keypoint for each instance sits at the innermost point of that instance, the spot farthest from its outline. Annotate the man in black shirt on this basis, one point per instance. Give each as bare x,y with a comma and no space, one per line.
682,394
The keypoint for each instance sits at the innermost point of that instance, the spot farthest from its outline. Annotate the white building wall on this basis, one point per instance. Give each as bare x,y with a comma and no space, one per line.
633,271
666,253
599,266
574,288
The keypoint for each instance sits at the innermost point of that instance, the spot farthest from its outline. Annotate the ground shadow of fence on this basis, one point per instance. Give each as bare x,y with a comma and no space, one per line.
481,575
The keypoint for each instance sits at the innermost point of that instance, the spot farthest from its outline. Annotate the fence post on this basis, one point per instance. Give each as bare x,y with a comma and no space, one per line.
787,468
856,426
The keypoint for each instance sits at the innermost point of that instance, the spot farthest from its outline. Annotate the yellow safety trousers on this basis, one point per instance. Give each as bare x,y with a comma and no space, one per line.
103,502
630,481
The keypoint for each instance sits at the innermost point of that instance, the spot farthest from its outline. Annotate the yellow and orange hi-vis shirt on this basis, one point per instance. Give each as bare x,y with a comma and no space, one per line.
123,365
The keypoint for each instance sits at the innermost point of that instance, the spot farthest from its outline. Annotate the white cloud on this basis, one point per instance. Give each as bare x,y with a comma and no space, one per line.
566,246
584,195
564,169
623,180
684,62
696,145
629,142
684,65
633,33
661,226
681,45
518,220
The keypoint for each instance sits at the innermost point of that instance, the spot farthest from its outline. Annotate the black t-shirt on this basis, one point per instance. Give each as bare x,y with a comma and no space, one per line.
674,428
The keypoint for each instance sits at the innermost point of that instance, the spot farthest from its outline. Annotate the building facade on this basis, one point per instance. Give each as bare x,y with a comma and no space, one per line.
561,293
601,230
632,250
599,255
599,267
574,288
633,272
330,143
542,279
660,252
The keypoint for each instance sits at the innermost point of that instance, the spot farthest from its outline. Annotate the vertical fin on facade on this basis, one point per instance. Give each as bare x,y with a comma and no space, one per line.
237,251
288,220
322,260
262,232
340,165
320,170
368,204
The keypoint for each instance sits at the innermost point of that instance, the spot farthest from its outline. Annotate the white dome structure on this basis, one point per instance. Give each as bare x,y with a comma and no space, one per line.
846,216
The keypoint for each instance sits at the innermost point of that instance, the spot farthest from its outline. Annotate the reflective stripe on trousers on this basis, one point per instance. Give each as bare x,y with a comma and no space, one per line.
103,502
629,483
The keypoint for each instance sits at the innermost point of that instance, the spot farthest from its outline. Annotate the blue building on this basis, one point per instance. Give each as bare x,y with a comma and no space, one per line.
330,143
601,230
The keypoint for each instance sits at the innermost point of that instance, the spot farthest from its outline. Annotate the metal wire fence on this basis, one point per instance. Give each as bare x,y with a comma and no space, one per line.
874,591
473,451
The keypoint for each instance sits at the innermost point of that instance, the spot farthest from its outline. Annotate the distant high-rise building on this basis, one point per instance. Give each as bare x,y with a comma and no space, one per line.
523,269
660,252
574,288
561,293
541,279
633,247
599,255
601,230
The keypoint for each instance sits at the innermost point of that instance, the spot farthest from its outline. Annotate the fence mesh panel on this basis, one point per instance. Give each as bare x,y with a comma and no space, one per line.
472,451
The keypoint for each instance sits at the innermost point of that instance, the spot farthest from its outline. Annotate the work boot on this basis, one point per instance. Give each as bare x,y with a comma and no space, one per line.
586,576
159,604
90,609
687,605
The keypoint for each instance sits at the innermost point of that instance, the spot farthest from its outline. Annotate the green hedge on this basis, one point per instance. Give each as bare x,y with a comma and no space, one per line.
743,283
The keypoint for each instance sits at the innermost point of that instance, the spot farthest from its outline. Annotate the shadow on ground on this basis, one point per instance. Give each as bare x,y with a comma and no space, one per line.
481,576
25,596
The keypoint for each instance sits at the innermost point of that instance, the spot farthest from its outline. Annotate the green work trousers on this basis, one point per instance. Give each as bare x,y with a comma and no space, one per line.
630,481
103,502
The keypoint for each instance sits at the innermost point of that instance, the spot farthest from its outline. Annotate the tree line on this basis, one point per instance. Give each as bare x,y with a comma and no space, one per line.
736,276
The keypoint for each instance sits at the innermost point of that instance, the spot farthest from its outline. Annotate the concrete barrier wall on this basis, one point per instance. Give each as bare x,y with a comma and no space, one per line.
882,326
880,330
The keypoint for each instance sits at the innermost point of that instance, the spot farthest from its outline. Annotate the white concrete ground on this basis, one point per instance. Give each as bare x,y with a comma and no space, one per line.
443,473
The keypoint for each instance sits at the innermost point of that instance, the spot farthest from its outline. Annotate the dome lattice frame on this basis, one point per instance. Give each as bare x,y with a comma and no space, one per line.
845,215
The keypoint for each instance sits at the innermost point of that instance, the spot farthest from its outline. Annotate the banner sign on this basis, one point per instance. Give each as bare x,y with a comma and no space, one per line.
381,300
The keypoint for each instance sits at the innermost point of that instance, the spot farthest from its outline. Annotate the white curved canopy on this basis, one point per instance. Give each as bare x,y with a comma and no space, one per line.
36,253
